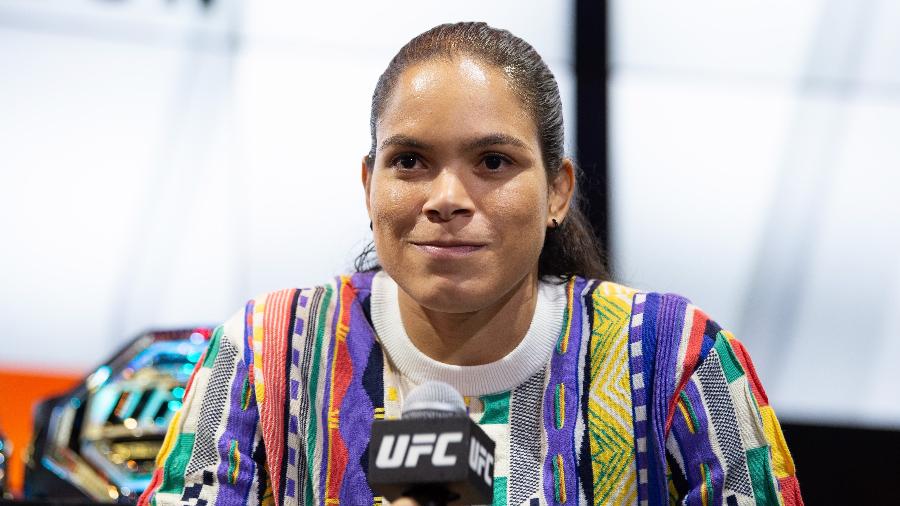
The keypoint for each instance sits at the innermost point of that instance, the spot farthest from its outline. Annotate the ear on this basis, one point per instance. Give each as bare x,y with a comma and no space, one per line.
561,191
366,177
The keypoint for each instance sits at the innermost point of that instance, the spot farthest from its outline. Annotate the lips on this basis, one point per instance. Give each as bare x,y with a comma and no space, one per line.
449,244
448,249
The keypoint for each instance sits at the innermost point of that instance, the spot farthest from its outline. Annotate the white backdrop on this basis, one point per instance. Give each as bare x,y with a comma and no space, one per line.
162,163
755,166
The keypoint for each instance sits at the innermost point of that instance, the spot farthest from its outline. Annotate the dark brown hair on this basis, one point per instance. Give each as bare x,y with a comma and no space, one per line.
570,249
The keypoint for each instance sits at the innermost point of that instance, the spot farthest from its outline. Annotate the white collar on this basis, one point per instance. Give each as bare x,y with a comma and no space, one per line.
521,363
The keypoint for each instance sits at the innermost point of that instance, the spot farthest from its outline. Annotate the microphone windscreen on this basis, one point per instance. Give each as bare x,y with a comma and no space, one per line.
434,453
433,399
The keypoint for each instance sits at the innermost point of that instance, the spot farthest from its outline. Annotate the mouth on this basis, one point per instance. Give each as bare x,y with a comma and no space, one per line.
448,249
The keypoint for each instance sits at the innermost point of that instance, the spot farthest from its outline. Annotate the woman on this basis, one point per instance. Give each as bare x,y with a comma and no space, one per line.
489,280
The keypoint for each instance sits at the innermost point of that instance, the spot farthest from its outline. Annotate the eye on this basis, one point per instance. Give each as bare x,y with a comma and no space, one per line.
494,162
405,161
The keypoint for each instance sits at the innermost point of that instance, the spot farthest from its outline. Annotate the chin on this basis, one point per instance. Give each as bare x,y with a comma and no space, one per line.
452,294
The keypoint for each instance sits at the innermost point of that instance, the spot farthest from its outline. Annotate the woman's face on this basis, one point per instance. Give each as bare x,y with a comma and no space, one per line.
458,194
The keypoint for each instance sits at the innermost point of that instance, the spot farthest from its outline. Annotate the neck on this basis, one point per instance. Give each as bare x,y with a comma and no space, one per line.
473,338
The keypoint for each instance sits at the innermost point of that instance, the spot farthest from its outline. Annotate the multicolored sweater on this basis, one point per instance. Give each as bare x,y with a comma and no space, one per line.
641,399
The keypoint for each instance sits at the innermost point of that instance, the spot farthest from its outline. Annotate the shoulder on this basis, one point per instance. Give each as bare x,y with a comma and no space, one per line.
600,293
273,317
272,310
262,331
682,346
675,336
684,336
707,405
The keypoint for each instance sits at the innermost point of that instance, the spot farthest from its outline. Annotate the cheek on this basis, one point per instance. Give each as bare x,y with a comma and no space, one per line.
395,205
520,208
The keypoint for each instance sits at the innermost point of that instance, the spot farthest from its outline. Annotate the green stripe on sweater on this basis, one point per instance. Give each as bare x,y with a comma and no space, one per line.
213,348
730,364
496,408
173,469
313,388
690,409
761,476
500,491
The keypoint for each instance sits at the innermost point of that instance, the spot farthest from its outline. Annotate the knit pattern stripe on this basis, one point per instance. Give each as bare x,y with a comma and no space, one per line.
315,424
644,399
341,370
559,418
357,410
302,347
525,449
276,327
610,423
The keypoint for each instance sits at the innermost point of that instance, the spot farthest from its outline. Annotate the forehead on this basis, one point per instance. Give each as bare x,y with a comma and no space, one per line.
459,96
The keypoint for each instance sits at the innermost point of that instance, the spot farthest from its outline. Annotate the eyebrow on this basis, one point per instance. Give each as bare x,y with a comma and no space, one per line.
404,141
493,139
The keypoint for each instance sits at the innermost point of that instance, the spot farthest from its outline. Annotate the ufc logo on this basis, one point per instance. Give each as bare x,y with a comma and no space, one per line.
396,451
480,461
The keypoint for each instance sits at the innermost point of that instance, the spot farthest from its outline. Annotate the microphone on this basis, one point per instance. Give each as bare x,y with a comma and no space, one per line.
434,454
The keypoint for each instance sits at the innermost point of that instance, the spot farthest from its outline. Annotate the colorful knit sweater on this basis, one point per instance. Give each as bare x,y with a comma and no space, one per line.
642,400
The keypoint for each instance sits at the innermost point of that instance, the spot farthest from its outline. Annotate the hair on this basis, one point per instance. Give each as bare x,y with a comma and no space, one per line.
570,248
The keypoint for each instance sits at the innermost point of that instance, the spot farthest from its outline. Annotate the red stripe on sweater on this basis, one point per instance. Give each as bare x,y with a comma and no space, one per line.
276,325
340,382
790,491
755,385
197,367
691,359
155,482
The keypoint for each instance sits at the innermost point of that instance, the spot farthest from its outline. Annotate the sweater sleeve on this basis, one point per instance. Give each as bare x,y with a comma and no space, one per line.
725,445
213,451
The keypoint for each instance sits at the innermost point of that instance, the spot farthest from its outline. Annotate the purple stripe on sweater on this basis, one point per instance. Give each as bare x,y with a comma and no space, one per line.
564,369
289,488
696,448
693,395
241,427
638,395
298,326
357,411
362,283
669,324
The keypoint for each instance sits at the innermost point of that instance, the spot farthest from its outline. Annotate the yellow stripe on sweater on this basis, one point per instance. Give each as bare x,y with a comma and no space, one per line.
782,463
169,441
570,304
259,334
687,417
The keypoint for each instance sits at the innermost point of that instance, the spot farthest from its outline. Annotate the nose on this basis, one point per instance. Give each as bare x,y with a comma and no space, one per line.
448,197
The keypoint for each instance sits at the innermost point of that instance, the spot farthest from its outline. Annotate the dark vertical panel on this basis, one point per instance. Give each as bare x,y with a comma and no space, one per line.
843,464
591,63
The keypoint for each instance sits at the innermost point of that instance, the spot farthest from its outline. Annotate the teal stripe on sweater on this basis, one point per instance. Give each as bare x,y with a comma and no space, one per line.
313,390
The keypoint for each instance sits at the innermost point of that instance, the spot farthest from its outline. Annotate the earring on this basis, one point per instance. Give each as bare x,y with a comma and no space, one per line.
370,226
555,223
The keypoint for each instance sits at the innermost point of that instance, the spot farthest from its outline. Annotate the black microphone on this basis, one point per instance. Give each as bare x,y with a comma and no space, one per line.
434,454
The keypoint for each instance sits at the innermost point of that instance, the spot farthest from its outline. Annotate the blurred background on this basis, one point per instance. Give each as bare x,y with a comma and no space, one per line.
164,160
